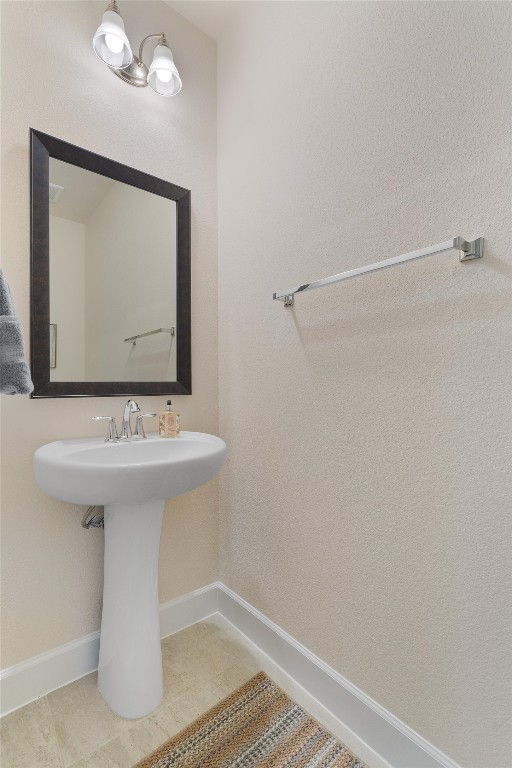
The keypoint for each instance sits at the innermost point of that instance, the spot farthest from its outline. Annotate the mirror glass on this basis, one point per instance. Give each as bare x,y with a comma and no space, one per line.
112,279
110,276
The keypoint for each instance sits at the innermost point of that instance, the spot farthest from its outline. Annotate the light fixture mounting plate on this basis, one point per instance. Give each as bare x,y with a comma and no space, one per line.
135,74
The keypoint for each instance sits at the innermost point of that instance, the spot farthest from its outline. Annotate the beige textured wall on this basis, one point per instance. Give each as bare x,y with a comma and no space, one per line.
366,504
51,567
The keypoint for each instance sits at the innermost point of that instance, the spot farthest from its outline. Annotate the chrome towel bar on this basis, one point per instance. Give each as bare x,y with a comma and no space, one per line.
468,250
133,339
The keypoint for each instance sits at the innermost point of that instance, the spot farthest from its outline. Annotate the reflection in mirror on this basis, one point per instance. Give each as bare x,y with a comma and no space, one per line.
112,278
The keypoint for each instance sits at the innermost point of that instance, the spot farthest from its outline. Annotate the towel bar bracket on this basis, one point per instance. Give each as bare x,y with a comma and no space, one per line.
288,300
471,250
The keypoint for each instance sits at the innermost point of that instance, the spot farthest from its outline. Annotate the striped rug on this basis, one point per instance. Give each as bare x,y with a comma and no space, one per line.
257,725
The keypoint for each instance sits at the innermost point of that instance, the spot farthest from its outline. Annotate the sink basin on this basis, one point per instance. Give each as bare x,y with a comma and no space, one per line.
90,471
131,480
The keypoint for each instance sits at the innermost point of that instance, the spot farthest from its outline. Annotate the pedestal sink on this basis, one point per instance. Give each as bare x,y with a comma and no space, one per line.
131,479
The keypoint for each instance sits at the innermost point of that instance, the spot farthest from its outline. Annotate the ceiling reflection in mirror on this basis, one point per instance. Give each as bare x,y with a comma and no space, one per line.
112,279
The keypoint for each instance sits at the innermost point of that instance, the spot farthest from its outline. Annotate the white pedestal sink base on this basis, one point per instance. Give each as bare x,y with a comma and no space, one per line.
130,675
129,478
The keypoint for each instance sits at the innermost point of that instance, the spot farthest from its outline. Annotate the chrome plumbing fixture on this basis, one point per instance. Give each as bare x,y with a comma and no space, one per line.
112,435
126,428
139,426
90,520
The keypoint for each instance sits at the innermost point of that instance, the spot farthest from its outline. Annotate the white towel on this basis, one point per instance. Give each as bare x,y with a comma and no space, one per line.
14,371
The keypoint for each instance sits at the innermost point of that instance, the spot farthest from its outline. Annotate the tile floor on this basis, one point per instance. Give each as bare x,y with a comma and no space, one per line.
74,728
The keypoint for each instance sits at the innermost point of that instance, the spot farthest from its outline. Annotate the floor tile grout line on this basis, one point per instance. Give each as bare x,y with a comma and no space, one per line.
101,744
232,655
138,721
148,717
55,731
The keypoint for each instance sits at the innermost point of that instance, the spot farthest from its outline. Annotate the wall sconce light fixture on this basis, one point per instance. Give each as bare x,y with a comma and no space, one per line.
113,47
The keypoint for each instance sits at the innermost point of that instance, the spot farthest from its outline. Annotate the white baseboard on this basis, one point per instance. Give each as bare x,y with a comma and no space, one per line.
24,682
188,609
384,733
27,681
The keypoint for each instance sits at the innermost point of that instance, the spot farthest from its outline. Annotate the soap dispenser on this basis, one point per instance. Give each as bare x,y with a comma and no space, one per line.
169,422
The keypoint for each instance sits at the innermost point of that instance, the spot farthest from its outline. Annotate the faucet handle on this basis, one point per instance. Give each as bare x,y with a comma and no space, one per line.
139,426
112,435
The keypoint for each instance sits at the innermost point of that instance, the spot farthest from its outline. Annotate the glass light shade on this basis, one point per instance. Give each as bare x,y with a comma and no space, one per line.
163,76
114,43
110,42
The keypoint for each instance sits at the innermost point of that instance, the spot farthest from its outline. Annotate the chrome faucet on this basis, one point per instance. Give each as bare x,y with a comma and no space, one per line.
126,429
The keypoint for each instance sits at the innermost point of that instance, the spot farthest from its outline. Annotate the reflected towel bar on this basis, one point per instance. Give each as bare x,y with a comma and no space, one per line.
133,339
468,250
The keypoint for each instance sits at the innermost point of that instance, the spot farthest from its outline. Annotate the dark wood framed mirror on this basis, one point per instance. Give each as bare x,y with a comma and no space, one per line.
110,302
